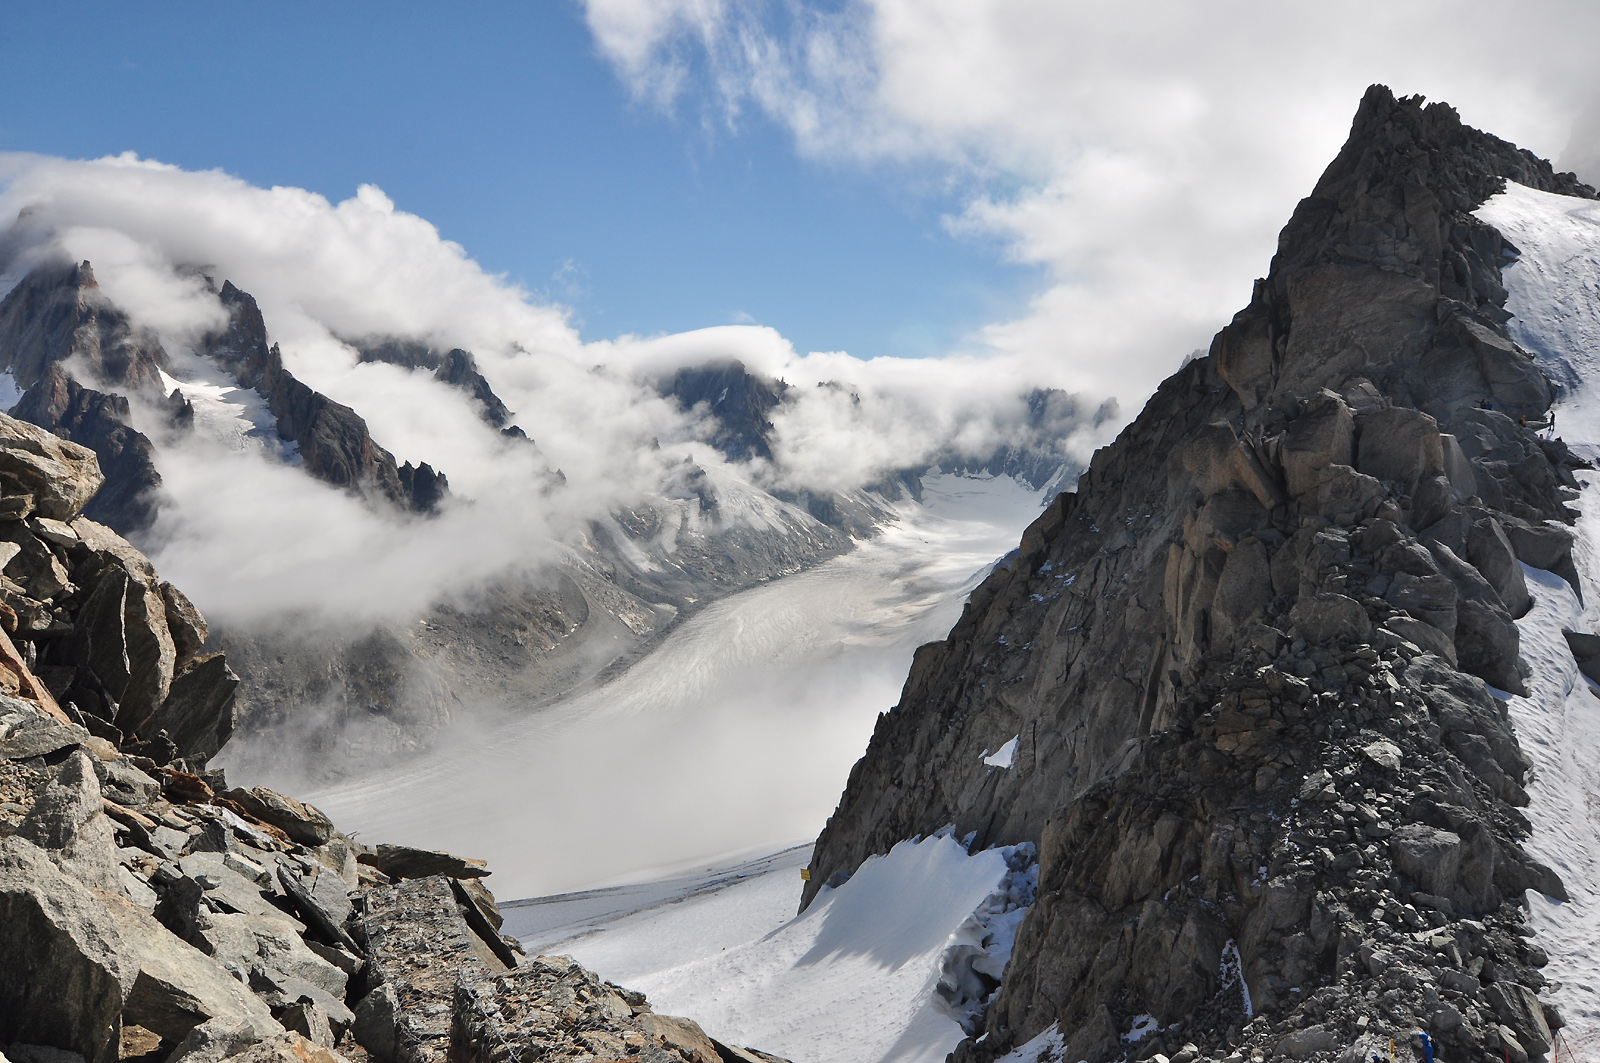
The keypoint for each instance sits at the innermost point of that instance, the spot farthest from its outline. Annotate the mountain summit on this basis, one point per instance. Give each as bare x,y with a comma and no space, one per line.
1247,673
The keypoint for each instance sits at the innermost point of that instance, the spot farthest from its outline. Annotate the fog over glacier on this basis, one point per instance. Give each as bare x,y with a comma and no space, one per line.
735,735
250,539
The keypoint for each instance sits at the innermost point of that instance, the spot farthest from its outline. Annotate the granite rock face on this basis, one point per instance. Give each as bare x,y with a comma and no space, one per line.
1245,663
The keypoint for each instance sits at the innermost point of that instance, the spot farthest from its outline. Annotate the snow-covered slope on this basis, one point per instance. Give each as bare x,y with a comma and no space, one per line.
875,971
1554,291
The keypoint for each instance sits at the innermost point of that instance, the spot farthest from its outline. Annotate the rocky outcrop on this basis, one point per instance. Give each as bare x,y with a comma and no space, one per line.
88,631
149,912
57,478
101,422
1245,664
333,439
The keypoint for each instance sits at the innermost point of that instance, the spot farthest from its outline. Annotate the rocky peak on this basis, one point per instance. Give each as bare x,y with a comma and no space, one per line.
334,440
740,400
456,367
240,347
57,312
1243,666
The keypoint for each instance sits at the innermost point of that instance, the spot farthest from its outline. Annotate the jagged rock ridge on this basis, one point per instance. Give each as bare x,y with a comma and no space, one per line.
333,439
1244,663
456,367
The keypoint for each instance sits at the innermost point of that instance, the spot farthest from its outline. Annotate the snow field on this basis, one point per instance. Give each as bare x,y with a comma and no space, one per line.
855,979
1554,292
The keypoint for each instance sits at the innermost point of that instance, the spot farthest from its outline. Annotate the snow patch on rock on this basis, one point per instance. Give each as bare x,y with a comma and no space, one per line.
1003,757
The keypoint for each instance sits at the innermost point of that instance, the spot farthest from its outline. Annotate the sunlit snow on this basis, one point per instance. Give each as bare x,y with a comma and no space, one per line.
852,980
1004,756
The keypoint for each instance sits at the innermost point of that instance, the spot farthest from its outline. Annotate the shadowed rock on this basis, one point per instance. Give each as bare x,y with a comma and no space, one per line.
102,423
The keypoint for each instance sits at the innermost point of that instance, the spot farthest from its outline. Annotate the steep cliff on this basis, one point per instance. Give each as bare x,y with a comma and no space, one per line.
1236,681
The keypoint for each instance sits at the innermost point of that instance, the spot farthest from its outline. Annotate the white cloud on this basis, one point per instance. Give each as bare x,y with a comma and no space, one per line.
250,538
1146,154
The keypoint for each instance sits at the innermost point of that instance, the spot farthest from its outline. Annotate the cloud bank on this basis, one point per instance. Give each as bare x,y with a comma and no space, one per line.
1145,154
250,537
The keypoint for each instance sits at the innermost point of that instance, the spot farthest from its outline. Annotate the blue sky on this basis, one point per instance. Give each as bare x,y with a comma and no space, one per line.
502,125
1117,173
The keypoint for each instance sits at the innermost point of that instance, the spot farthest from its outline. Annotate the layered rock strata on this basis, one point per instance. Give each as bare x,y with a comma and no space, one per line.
1247,666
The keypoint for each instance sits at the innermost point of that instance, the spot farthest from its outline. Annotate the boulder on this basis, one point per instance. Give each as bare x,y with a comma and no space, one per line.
1400,445
55,532
33,564
403,862
1424,635
301,822
1329,618
1428,856
1518,1007
67,821
67,970
310,1021
61,476
683,1036
100,641
110,548
126,785
151,657
1307,1042
198,714
323,901
1243,355
1586,651
1345,496
1383,754
1487,645
1324,434
1546,546
1431,599
377,1023
1243,591
218,1039
1491,553
184,622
